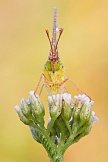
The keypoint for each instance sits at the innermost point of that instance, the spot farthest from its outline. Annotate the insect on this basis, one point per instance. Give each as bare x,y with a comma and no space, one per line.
53,75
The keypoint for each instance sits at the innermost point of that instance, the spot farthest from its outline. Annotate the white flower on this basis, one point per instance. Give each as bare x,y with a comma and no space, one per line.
67,97
33,95
85,99
17,108
28,102
95,119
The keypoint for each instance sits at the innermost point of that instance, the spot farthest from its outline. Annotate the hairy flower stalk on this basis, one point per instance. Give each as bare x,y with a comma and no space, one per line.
69,121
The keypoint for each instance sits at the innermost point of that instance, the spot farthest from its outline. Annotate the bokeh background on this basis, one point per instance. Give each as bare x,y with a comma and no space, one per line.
24,48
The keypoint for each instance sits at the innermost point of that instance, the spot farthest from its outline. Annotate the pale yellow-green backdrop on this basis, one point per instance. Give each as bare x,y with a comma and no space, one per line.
24,48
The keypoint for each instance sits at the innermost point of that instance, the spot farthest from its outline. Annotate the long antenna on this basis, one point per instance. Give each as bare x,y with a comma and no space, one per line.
54,27
61,30
47,32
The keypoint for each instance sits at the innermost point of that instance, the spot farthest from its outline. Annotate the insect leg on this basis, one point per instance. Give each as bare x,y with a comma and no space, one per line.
50,91
49,82
60,96
38,84
79,88
65,89
66,79
41,89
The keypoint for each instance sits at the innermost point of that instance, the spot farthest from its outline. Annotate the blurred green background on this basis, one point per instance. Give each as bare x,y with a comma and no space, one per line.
24,48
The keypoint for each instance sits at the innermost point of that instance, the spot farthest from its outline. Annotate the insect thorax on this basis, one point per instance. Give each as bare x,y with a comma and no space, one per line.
54,74
53,67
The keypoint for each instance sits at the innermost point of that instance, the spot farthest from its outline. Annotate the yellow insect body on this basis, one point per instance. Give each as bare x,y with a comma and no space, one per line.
53,78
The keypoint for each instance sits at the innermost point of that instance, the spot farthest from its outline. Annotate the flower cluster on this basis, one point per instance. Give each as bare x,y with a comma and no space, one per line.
69,121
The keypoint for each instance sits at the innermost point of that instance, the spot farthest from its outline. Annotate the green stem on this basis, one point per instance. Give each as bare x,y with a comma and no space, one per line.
50,125
50,147
67,144
67,124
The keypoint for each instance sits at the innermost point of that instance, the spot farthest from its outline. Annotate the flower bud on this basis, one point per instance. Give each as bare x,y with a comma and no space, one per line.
66,106
55,105
25,107
86,111
37,108
21,115
86,107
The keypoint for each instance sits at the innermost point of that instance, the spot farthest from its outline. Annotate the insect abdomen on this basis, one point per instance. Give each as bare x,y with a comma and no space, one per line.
53,80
